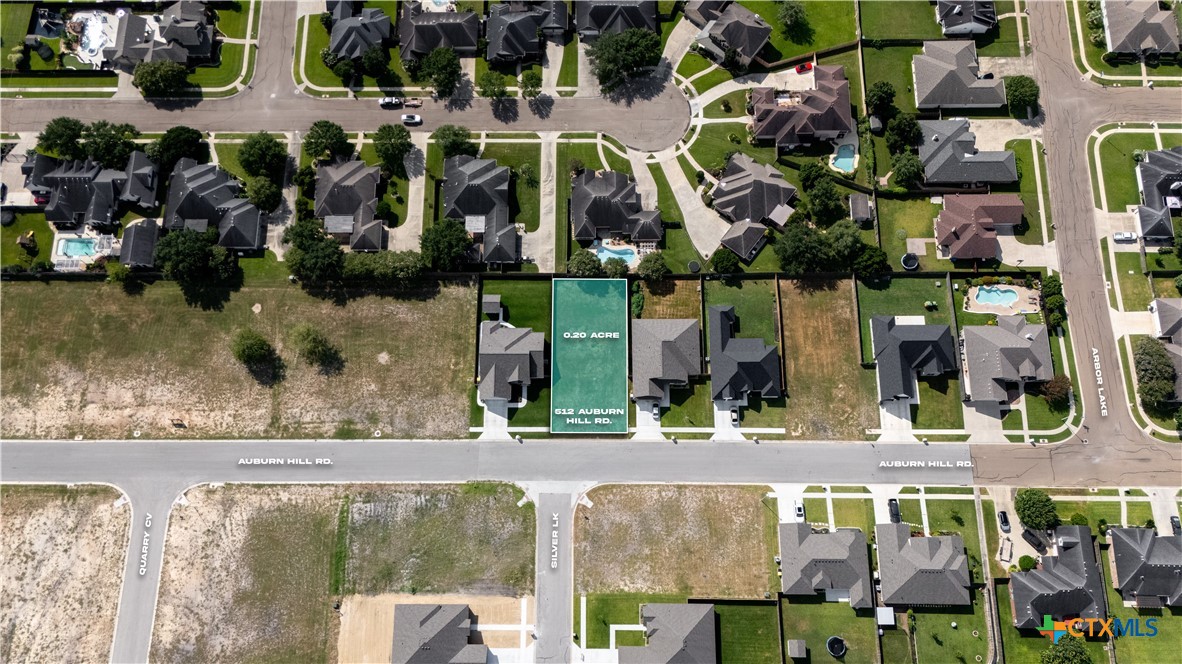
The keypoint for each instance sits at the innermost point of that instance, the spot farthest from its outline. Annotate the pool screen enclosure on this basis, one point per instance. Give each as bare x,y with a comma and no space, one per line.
589,356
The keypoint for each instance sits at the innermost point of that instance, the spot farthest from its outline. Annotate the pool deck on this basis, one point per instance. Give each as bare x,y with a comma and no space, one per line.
844,141
637,251
104,246
1027,302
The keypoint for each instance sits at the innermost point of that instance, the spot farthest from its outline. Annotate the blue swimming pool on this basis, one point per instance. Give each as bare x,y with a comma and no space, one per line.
845,158
1003,297
604,253
75,247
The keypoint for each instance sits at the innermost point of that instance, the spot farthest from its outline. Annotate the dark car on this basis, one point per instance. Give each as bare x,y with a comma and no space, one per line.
893,508
1176,525
1004,520
1034,541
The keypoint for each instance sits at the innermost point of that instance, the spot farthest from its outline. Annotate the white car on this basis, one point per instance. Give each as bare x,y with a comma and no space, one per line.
1124,236
389,102
412,119
798,509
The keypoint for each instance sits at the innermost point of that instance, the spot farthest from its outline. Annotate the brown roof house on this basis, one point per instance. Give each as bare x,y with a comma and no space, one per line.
790,117
753,197
967,226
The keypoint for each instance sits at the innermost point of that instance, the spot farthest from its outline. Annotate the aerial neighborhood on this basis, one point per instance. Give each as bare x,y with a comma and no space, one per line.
633,331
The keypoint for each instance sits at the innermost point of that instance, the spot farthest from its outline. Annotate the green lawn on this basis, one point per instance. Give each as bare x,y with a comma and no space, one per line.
1002,40
525,303
1039,414
992,541
854,513
228,158
1134,286
607,609
714,145
233,17
901,297
937,641
959,516
225,73
748,633
755,307
568,72
63,81
737,101
899,219
432,197
710,79
893,63
853,72
13,254
690,407
896,645
939,404
1138,513
691,64
677,246
263,270
525,203
397,190
899,19
15,18
815,620
827,24
1030,231
911,512
1093,510
1119,169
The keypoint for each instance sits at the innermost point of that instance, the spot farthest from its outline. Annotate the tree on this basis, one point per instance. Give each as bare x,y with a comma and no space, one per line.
162,78
872,262
1056,303
384,211
1057,392
62,137
531,84
1036,509
1027,563
389,268
1155,393
908,169
1067,650
615,268
392,143
616,57
653,267
791,15
1021,94
880,97
455,140
326,139
375,61
109,144
492,85
1078,519
812,172
1051,286
251,348
326,21
317,262
345,70
305,180
175,144
444,244
903,132
845,242
801,250
1152,362
441,67
313,346
264,193
584,264
263,154
724,261
825,203
117,273
194,261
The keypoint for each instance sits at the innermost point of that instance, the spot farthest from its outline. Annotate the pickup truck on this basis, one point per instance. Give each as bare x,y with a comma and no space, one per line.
413,102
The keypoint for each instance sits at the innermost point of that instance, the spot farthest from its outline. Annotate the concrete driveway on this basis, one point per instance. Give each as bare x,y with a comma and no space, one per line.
895,421
648,426
723,428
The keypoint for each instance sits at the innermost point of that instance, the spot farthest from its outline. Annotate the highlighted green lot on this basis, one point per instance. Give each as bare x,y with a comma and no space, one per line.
589,361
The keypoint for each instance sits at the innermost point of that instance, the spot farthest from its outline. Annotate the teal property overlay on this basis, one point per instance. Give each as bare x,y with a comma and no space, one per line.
589,356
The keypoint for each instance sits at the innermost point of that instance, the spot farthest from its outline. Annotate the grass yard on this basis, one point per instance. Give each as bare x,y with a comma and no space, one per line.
1039,414
691,64
526,201
1134,286
900,219
678,249
854,513
1119,169
853,72
228,159
1030,231
397,190
901,297
939,403
755,307
896,643
1164,287
937,641
15,18
959,516
830,394
1139,513
911,512
1094,510
568,72
690,407
1132,649
607,609
233,17
226,72
136,356
263,270
714,145
716,76
433,196
893,63
899,19
13,254
992,541
525,303
748,633
1002,40
826,24
737,102
672,299
815,620
315,73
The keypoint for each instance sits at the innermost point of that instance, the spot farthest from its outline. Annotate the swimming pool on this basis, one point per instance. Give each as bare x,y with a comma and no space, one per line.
626,253
93,36
845,158
1002,297
75,247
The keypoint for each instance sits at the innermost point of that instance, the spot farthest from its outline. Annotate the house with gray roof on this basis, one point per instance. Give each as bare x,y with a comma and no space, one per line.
435,634
948,75
1140,27
516,31
834,563
674,634
1167,326
183,34
736,29
342,9
1013,352
965,17
754,192
966,229
606,204
353,36
701,12
420,32
950,156
203,196
787,118
739,367
903,350
745,238
476,192
666,353
83,193
1146,567
921,571
510,359
609,17
138,247
1067,583
346,199
1159,181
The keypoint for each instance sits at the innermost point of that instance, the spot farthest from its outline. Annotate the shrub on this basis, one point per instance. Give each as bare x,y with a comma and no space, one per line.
1078,519
251,348
1027,563
1057,392
724,261
312,345
584,264
637,303
726,106
653,267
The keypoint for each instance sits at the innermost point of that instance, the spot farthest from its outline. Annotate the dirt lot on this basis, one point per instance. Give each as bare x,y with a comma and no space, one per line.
829,394
115,363
672,299
251,573
706,541
367,622
61,569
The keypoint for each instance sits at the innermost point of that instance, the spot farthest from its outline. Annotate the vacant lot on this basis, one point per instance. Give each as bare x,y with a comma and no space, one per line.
251,573
899,19
88,359
61,558
830,395
704,541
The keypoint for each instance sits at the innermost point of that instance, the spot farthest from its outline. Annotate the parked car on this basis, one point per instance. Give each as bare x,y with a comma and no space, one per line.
1124,236
412,119
414,102
41,199
1034,541
1176,525
389,102
656,409
893,508
798,509
800,69
735,416
1004,520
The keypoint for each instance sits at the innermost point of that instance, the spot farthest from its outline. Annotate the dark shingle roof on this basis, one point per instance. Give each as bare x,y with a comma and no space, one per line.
1147,564
739,366
138,246
185,37
665,352
476,191
921,571
509,356
744,238
513,30
84,192
1067,584
674,634
200,195
818,112
604,17
701,12
965,16
352,37
815,562
1013,351
949,155
1139,26
741,29
342,9
751,191
900,351
435,634
1159,177
609,202
947,74
421,32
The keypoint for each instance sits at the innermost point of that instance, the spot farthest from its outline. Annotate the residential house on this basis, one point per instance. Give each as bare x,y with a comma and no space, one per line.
607,204
510,359
674,634
342,9
182,34
1146,567
420,32
1139,27
435,633
736,31
903,349
950,156
476,192
138,247
609,17
516,31
83,193
754,192
1159,180
860,209
666,354
997,356
921,571
739,367
834,563
203,196
966,228
800,117
965,17
701,12
1066,585
1167,326
346,199
745,238
351,37
948,75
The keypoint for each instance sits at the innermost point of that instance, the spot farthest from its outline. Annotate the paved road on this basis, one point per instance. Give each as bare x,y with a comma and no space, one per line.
555,577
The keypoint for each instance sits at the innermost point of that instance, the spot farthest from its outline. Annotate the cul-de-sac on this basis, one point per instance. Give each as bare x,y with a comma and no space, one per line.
591,331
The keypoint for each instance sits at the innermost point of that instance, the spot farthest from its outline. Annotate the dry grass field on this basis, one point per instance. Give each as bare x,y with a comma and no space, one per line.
672,299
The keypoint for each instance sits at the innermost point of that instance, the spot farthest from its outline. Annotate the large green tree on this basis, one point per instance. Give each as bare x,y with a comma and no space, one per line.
1036,509
194,261
326,139
616,57
1068,650
724,261
531,84
441,68
175,144
375,61
880,97
825,202
584,264
264,193
317,263
263,154
653,267
455,140
62,137
492,85
801,250
445,244
1021,93
110,144
162,78
1155,373
392,143
903,132
908,169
